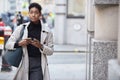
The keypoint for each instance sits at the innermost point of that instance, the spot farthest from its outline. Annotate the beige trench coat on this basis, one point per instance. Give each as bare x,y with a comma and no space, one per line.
46,40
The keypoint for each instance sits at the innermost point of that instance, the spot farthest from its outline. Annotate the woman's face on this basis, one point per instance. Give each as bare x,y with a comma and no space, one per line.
34,14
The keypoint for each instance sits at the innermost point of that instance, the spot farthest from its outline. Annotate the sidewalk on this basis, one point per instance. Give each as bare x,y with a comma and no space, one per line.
57,69
7,75
69,48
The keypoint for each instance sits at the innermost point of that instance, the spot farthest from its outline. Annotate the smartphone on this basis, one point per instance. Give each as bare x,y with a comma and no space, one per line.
29,39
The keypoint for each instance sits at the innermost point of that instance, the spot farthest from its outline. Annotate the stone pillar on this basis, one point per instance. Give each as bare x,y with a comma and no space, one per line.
103,51
105,37
114,64
90,15
106,22
119,37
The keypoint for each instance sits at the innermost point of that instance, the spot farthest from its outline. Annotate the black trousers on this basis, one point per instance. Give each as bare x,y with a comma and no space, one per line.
35,69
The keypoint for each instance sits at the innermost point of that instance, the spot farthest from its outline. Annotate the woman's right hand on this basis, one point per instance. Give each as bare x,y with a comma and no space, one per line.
24,42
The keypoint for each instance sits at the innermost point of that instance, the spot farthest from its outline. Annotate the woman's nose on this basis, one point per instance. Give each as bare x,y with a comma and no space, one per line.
33,14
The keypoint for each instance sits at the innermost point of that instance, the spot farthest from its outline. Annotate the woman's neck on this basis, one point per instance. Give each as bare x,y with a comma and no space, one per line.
36,22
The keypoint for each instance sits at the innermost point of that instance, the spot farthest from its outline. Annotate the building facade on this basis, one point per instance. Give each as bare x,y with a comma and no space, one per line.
69,21
103,21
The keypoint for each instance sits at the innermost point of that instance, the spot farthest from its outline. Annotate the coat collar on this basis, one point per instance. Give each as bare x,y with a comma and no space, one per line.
45,28
44,32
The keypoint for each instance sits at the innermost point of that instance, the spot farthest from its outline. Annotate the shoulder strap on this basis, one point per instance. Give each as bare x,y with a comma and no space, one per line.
21,32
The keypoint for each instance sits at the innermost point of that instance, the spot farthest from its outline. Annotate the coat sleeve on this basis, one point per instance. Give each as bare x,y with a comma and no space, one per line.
13,38
48,46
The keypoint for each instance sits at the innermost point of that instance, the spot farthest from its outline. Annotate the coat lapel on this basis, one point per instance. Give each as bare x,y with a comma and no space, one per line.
43,37
26,31
44,33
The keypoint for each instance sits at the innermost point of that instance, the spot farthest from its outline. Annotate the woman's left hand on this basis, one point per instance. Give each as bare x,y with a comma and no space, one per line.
36,43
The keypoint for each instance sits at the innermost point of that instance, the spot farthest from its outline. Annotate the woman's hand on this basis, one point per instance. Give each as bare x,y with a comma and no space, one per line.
33,42
36,43
25,42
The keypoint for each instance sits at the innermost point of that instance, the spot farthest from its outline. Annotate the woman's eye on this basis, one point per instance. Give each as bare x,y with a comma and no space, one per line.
34,12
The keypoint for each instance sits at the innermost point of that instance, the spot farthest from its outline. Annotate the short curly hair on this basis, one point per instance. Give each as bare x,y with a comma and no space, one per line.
36,5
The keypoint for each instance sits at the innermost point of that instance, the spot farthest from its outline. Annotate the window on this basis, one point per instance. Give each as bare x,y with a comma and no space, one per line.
75,8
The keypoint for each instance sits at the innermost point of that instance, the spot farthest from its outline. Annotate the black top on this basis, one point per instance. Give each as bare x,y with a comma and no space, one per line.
34,31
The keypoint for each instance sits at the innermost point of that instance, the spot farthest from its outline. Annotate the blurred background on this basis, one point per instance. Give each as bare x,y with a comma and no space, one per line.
66,19
86,37
63,17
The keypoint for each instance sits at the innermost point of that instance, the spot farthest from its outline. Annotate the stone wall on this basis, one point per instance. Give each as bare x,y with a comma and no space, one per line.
103,51
106,2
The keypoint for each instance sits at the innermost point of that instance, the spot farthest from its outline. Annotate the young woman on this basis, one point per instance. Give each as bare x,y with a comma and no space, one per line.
37,43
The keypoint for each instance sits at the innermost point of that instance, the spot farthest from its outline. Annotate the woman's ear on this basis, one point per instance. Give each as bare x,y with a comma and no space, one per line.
40,13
